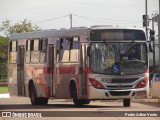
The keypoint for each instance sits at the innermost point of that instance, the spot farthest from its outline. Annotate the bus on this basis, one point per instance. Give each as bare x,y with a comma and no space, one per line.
82,64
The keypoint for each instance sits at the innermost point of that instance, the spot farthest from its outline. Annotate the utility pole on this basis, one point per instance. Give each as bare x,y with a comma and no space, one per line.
159,36
146,19
153,47
70,16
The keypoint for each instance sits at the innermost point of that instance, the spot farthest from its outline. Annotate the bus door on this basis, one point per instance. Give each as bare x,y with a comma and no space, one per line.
51,66
83,63
20,70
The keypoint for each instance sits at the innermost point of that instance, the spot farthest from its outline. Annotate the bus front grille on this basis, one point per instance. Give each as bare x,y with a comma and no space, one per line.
117,87
119,93
125,80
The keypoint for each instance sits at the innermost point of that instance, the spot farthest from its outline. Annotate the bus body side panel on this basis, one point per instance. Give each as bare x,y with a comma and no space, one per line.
12,77
39,75
65,73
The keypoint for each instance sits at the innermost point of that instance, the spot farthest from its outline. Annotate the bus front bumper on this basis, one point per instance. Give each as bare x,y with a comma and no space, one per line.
117,94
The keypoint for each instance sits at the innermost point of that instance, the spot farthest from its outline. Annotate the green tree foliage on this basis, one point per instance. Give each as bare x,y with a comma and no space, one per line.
3,57
19,27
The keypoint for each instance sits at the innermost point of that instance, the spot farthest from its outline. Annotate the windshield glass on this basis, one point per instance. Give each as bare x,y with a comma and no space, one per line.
118,58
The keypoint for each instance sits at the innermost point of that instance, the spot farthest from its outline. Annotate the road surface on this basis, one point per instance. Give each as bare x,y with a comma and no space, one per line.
65,110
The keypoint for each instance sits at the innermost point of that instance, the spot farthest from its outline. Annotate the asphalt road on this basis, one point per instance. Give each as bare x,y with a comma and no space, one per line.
65,110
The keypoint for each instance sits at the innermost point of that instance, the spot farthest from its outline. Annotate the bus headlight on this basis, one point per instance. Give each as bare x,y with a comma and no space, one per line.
96,84
142,83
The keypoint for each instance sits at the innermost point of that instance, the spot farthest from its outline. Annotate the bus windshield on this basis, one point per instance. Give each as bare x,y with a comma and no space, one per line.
118,58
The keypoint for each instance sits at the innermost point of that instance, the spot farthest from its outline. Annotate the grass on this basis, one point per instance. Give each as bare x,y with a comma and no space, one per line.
3,90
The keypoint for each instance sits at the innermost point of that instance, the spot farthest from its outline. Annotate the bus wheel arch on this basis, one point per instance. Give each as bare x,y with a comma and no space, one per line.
72,86
73,94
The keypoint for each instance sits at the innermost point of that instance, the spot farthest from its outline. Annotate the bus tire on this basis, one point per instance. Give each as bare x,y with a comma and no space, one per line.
42,101
86,101
33,95
126,102
77,102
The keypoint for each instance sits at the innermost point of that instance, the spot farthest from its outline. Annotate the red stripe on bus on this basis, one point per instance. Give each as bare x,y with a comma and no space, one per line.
67,70
48,70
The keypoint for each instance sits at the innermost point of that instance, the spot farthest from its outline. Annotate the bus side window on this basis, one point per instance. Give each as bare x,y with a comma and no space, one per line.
28,42
36,44
43,44
13,52
64,50
74,55
28,45
58,49
43,49
13,46
75,43
35,51
10,49
32,45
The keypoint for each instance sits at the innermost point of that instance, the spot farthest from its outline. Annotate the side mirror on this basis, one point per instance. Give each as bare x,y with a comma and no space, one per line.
150,47
88,51
152,35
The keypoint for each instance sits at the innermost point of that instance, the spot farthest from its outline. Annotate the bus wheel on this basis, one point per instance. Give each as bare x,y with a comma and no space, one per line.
33,95
126,102
76,101
43,101
86,101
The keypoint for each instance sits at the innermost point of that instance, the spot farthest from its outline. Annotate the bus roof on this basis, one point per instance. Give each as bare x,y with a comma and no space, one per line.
49,33
63,32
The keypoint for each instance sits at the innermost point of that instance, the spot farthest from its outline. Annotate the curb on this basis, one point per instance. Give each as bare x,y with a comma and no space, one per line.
146,100
6,95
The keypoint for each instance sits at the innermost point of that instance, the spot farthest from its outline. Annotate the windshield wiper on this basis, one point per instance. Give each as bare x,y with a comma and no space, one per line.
110,46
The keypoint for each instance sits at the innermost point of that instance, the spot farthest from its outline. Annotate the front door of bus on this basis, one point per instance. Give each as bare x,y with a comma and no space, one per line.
51,59
20,70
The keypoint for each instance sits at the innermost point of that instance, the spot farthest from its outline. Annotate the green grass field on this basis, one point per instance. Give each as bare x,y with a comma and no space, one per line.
4,90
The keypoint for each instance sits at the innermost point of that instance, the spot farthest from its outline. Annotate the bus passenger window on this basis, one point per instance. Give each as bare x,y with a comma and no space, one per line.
43,50
58,49
75,43
10,49
28,45
13,52
13,46
43,44
74,55
35,53
36,44
64,50
27,54
32,45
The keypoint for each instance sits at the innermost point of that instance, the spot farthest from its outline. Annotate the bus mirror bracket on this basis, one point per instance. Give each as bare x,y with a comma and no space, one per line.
88,51
150,47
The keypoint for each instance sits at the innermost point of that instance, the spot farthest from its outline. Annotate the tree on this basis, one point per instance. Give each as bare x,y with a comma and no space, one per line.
22,26
3,47
3,57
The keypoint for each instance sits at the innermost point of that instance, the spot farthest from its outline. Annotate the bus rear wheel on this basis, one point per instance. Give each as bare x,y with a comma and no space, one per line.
42,101
76,101
126,102
34,99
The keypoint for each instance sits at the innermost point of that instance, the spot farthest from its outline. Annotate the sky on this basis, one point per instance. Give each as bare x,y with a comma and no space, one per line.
54,14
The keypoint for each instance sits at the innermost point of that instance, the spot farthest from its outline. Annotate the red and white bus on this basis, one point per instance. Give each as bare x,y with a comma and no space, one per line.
83,64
